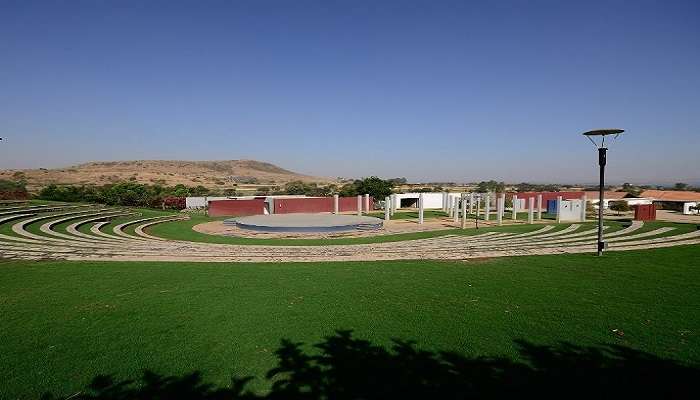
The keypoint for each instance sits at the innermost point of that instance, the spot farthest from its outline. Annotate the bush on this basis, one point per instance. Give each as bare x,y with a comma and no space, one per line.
619,206
131,194
174,203
13,190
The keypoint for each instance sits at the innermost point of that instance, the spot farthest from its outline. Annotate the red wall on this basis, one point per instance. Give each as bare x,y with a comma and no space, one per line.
348,203
316,204
236,208
645,212
304,205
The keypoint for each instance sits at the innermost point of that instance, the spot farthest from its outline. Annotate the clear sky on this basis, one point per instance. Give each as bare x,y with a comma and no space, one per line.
429,90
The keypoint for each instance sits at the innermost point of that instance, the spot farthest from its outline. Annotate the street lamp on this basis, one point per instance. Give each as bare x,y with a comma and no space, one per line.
602,154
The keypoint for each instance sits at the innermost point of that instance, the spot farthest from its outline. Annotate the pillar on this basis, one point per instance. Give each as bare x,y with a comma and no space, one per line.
359,205
487,207
471,203
444,201
367,210
464,210
455,210
387,208
531,210
503,205
449,205
500,205
336,204
515,207
421,203
478,206
394,203
559,199
584,200
539,207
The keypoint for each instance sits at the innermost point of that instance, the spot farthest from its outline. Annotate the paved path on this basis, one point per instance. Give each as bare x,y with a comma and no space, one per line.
70,243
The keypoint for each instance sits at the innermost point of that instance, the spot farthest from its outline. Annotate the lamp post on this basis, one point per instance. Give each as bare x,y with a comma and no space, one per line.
602,157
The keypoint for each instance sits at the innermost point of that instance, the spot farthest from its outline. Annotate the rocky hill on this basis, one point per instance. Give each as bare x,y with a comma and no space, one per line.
211,174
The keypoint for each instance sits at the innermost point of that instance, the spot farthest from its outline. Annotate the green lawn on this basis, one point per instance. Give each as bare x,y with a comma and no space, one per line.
404,214
182,230
65,322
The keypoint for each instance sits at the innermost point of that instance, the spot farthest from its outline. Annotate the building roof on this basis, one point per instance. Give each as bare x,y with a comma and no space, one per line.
671,195
606,195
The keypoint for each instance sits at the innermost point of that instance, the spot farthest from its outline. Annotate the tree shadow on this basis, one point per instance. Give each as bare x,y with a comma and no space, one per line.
344,367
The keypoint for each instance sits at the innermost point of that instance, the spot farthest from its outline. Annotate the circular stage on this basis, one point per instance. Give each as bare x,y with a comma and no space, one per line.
305,223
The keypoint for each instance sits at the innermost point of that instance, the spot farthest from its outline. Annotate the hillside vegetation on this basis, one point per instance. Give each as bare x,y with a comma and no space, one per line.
210,174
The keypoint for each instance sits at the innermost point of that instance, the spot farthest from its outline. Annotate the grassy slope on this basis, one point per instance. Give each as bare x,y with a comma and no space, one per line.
65,322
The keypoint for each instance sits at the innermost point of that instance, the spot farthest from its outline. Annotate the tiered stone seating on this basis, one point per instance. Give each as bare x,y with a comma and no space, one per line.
101,243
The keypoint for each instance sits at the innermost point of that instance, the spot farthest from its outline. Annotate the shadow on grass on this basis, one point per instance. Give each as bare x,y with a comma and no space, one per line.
344,367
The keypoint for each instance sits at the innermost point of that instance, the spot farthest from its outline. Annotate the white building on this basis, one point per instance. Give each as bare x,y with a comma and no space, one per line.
431,200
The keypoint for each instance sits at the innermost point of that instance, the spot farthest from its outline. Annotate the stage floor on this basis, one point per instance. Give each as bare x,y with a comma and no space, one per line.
305,223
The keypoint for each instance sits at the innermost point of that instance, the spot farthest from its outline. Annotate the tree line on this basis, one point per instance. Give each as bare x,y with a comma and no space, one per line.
133,194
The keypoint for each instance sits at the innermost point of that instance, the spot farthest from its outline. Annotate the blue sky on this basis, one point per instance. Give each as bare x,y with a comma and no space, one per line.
429,90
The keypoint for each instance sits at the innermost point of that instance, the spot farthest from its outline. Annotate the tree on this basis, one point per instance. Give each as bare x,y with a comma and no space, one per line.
619,206
398,181
680,186
295,187
491,186
375,187
199,191
632,190
348,190
13,190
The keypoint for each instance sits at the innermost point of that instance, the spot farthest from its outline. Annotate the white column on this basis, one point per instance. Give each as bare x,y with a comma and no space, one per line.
584,200
531,210
444,201
539,206
487,207
503,205
515,207
500,204
464,210
394,203
455,210
559,199
471,203
367,210
420,208
359,204
478,207
449,205
387,208
336,204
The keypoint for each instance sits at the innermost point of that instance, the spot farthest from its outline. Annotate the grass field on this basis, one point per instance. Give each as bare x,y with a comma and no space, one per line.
65,322
182,230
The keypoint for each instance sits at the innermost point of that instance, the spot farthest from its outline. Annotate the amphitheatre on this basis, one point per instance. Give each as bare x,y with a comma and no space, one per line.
349,200
81,233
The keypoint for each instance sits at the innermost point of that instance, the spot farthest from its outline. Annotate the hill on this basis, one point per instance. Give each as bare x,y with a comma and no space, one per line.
211,174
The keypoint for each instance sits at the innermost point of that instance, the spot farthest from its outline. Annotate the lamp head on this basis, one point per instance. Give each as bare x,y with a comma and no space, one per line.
597,136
